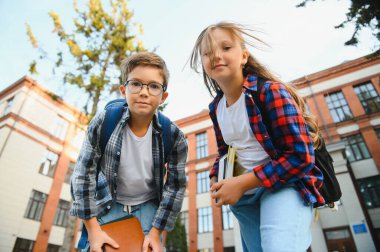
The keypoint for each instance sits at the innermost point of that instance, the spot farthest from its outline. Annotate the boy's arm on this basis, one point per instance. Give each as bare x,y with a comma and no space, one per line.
83,184
175,185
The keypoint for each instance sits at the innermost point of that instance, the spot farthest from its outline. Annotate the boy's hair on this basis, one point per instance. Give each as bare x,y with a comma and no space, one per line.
253,66
144,59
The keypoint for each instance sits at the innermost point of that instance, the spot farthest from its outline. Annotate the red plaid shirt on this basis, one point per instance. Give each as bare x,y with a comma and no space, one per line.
290,146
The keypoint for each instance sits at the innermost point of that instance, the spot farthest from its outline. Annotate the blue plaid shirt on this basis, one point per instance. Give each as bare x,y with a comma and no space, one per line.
91,199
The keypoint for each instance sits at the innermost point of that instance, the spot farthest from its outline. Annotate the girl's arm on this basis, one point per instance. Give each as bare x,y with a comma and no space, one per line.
290,137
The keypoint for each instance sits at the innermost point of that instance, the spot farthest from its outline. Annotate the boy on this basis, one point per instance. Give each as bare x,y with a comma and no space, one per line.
132,165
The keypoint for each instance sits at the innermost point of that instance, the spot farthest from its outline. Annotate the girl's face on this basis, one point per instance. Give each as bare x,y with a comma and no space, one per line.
225,65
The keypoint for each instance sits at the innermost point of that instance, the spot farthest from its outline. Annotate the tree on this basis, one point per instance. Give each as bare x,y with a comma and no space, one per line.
176,239
98,43
362,13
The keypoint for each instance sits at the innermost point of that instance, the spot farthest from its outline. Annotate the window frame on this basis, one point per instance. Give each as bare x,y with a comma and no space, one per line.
49,164
372,99
36,205
227,218
61,217
23,245
339,113
205,222
355,146
201,145
203,185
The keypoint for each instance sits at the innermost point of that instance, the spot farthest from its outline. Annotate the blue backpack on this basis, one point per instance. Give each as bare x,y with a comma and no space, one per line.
114,111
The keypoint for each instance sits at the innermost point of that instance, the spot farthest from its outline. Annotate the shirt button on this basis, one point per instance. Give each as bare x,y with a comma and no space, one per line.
118,153
108,207
115,174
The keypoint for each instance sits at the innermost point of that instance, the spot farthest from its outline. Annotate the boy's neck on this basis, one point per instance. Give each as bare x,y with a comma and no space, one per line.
140,124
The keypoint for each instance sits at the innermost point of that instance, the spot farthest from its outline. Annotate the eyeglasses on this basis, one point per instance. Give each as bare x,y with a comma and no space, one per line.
135,87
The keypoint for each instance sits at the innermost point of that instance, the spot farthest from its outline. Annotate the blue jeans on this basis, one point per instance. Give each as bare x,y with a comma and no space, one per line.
274,221
145,212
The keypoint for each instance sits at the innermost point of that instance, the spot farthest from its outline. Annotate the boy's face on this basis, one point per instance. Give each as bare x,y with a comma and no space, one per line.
143,103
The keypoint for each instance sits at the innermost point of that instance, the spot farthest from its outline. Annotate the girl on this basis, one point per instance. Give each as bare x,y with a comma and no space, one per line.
273,198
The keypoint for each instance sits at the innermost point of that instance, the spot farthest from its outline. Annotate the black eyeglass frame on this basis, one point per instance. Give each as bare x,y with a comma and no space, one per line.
164,87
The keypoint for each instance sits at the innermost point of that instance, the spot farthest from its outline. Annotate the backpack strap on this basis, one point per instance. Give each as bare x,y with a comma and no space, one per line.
166,134
114,112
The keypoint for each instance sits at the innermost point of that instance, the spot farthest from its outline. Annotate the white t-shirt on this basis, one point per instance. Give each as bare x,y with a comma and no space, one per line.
135,181
236,132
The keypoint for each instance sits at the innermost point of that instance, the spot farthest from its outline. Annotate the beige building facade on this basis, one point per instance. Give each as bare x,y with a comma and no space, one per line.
40,137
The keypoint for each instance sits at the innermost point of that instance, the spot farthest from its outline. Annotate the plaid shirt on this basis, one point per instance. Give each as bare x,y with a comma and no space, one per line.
91,199
290,148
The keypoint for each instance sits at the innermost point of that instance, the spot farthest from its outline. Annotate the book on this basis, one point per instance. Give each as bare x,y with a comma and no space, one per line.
127,232
226,164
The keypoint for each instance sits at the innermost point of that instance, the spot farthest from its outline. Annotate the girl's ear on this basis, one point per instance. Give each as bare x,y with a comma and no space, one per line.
245,57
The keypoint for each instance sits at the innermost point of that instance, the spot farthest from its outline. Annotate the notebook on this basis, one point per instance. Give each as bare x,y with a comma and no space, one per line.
127,232
226,164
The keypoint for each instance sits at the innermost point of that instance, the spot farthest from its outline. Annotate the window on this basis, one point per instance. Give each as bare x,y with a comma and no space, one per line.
60,128
35,205
228,222
185,220
202,147
229,249
338,107
53,248
203,184
356,148
205,220
62,213
69,172
206,250
49,164
23,245
370,191
8,106
368,97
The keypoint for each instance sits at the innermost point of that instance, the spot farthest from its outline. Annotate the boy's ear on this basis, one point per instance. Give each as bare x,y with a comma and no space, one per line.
122,89
164,96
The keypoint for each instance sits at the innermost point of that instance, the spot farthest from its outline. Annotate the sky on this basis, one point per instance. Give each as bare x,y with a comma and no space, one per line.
302,40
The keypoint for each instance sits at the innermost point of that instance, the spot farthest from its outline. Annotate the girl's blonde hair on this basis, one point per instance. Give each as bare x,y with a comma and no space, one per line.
252,66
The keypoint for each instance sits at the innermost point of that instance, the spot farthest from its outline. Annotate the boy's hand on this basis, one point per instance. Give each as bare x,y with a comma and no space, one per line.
98,239
152,240
97,236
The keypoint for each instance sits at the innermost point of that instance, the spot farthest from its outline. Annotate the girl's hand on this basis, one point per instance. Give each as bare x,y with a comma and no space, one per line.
152,240
230,190
213,180
227,191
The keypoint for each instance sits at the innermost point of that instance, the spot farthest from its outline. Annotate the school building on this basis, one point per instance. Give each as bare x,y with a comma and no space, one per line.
345,99
41,135
40,138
